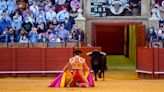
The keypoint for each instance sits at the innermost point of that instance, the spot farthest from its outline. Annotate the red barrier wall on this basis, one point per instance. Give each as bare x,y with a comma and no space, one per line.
37,59
150,62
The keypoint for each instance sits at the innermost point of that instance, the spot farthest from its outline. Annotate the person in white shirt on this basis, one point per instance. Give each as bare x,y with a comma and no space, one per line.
34,8
50,15
23,39
3,4
62,15
18,16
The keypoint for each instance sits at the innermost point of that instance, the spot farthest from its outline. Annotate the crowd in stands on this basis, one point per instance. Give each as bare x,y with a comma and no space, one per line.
39,21
156,35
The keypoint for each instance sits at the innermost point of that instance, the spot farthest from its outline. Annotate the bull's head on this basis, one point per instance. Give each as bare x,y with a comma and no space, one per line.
117,7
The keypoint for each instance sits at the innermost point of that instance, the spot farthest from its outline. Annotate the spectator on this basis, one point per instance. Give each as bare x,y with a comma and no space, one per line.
21,5
43,38
23,39
40,12
49,35
27,25
50,15
47,6
3,5
41,27
33,35
5,35
4,24
62,15
17,17
41,19
34,8
27,13
62,33
11,4
75,4
67,25
60,2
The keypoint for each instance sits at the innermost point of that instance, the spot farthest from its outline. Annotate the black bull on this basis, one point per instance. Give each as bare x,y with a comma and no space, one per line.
98,63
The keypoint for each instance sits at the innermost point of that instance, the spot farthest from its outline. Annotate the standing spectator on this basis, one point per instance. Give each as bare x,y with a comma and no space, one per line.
33,35
11,4
62,15
16,25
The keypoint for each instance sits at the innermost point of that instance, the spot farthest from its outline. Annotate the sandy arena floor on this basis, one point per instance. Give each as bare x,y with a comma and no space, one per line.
40,85
115,82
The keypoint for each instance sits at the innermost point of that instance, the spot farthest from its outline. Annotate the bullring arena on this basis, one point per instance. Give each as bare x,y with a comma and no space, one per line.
39,38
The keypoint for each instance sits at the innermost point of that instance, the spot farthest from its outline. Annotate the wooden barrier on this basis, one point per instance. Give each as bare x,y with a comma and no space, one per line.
150,63
36,61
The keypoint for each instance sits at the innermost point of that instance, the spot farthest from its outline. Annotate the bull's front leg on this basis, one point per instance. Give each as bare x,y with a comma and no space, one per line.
95,76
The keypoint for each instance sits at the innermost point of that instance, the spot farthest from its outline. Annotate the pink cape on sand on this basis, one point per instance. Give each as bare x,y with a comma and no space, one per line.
63,78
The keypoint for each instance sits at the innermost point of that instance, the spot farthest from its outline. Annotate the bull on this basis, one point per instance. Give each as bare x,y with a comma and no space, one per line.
98,63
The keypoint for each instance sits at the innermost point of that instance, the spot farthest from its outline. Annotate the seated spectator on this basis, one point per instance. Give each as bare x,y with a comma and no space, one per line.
67,4
27,25
41,19
33,35
50,15
21,5
75,4
41,3
47,6
23,39
5,36
43,38
60,7
60,2
62,33
3,5
49,35
4,24
41,27
6,15
64,14
67,25
27,13
11,4
40,12
18,17
34,8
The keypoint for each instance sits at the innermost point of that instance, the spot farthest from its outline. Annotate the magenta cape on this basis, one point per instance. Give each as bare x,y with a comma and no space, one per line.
63,78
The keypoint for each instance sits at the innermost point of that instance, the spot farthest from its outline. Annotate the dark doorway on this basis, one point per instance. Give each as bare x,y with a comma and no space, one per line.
110,38
114,39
